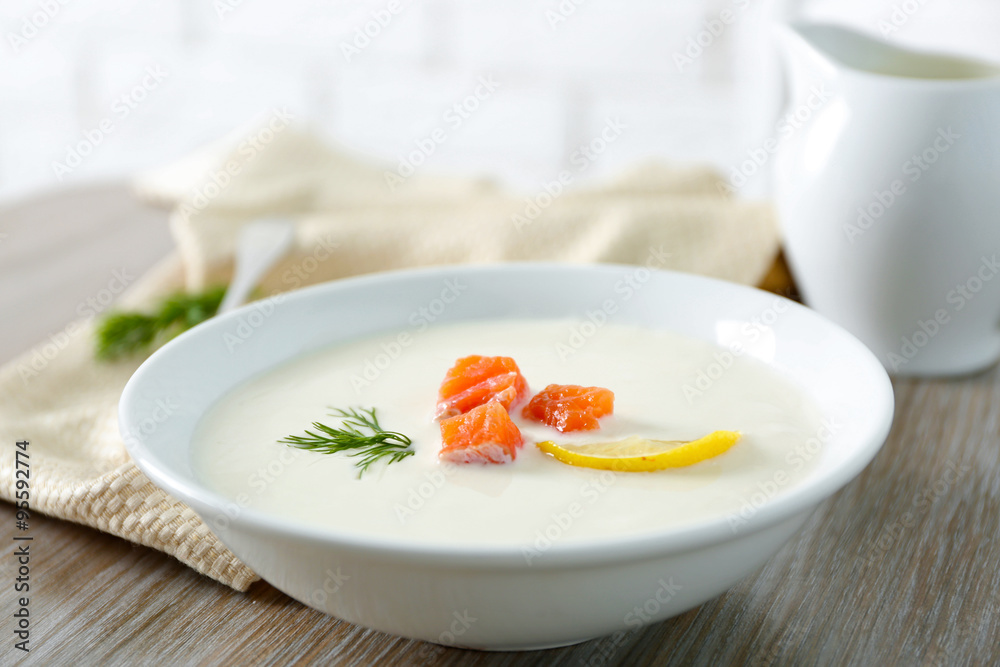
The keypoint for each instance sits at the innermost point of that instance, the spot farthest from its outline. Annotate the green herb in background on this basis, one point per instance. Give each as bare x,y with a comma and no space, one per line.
121,334
350,438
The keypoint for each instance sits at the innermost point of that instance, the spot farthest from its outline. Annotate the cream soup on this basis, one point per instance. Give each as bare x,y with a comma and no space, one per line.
535,499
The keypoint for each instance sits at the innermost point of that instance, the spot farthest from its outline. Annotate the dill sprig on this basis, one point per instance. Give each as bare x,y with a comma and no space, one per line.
351,437
124,333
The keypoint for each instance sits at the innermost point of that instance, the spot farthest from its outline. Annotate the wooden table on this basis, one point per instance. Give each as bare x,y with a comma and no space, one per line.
902,567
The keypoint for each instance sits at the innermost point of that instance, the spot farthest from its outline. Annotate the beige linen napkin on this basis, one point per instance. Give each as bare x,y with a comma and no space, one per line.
348,221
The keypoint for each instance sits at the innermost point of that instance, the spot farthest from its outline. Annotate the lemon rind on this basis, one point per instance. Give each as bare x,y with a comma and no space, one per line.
687,454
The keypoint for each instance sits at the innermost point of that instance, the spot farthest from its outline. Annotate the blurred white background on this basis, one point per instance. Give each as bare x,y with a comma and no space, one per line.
167,77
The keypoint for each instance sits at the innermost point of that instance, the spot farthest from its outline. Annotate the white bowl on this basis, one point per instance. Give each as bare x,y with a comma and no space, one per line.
491,598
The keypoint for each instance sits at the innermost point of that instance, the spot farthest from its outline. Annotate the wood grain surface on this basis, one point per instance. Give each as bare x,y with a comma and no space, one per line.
902,567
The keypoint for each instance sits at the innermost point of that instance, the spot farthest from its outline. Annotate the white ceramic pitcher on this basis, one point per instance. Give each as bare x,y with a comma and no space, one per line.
889,196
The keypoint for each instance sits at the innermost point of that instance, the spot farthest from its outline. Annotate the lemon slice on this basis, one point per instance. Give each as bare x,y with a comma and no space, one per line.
637,454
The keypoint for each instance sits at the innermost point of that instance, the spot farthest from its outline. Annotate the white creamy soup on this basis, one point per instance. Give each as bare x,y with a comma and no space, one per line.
535,499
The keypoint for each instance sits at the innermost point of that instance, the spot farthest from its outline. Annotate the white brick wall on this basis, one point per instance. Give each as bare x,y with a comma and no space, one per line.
559,83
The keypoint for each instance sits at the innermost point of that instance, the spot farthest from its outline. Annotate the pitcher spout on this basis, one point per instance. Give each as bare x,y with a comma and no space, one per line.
825,50
805,64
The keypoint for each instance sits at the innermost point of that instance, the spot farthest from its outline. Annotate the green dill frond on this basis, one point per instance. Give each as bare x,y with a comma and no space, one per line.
359,435
121,334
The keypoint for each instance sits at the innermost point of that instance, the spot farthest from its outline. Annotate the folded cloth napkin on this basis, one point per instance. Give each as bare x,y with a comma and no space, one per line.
350,217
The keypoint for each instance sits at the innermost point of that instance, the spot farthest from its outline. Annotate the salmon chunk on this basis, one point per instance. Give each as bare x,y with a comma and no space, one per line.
570,407
484,434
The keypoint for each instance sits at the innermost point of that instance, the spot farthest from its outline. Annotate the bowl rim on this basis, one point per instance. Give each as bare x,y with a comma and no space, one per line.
797,499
